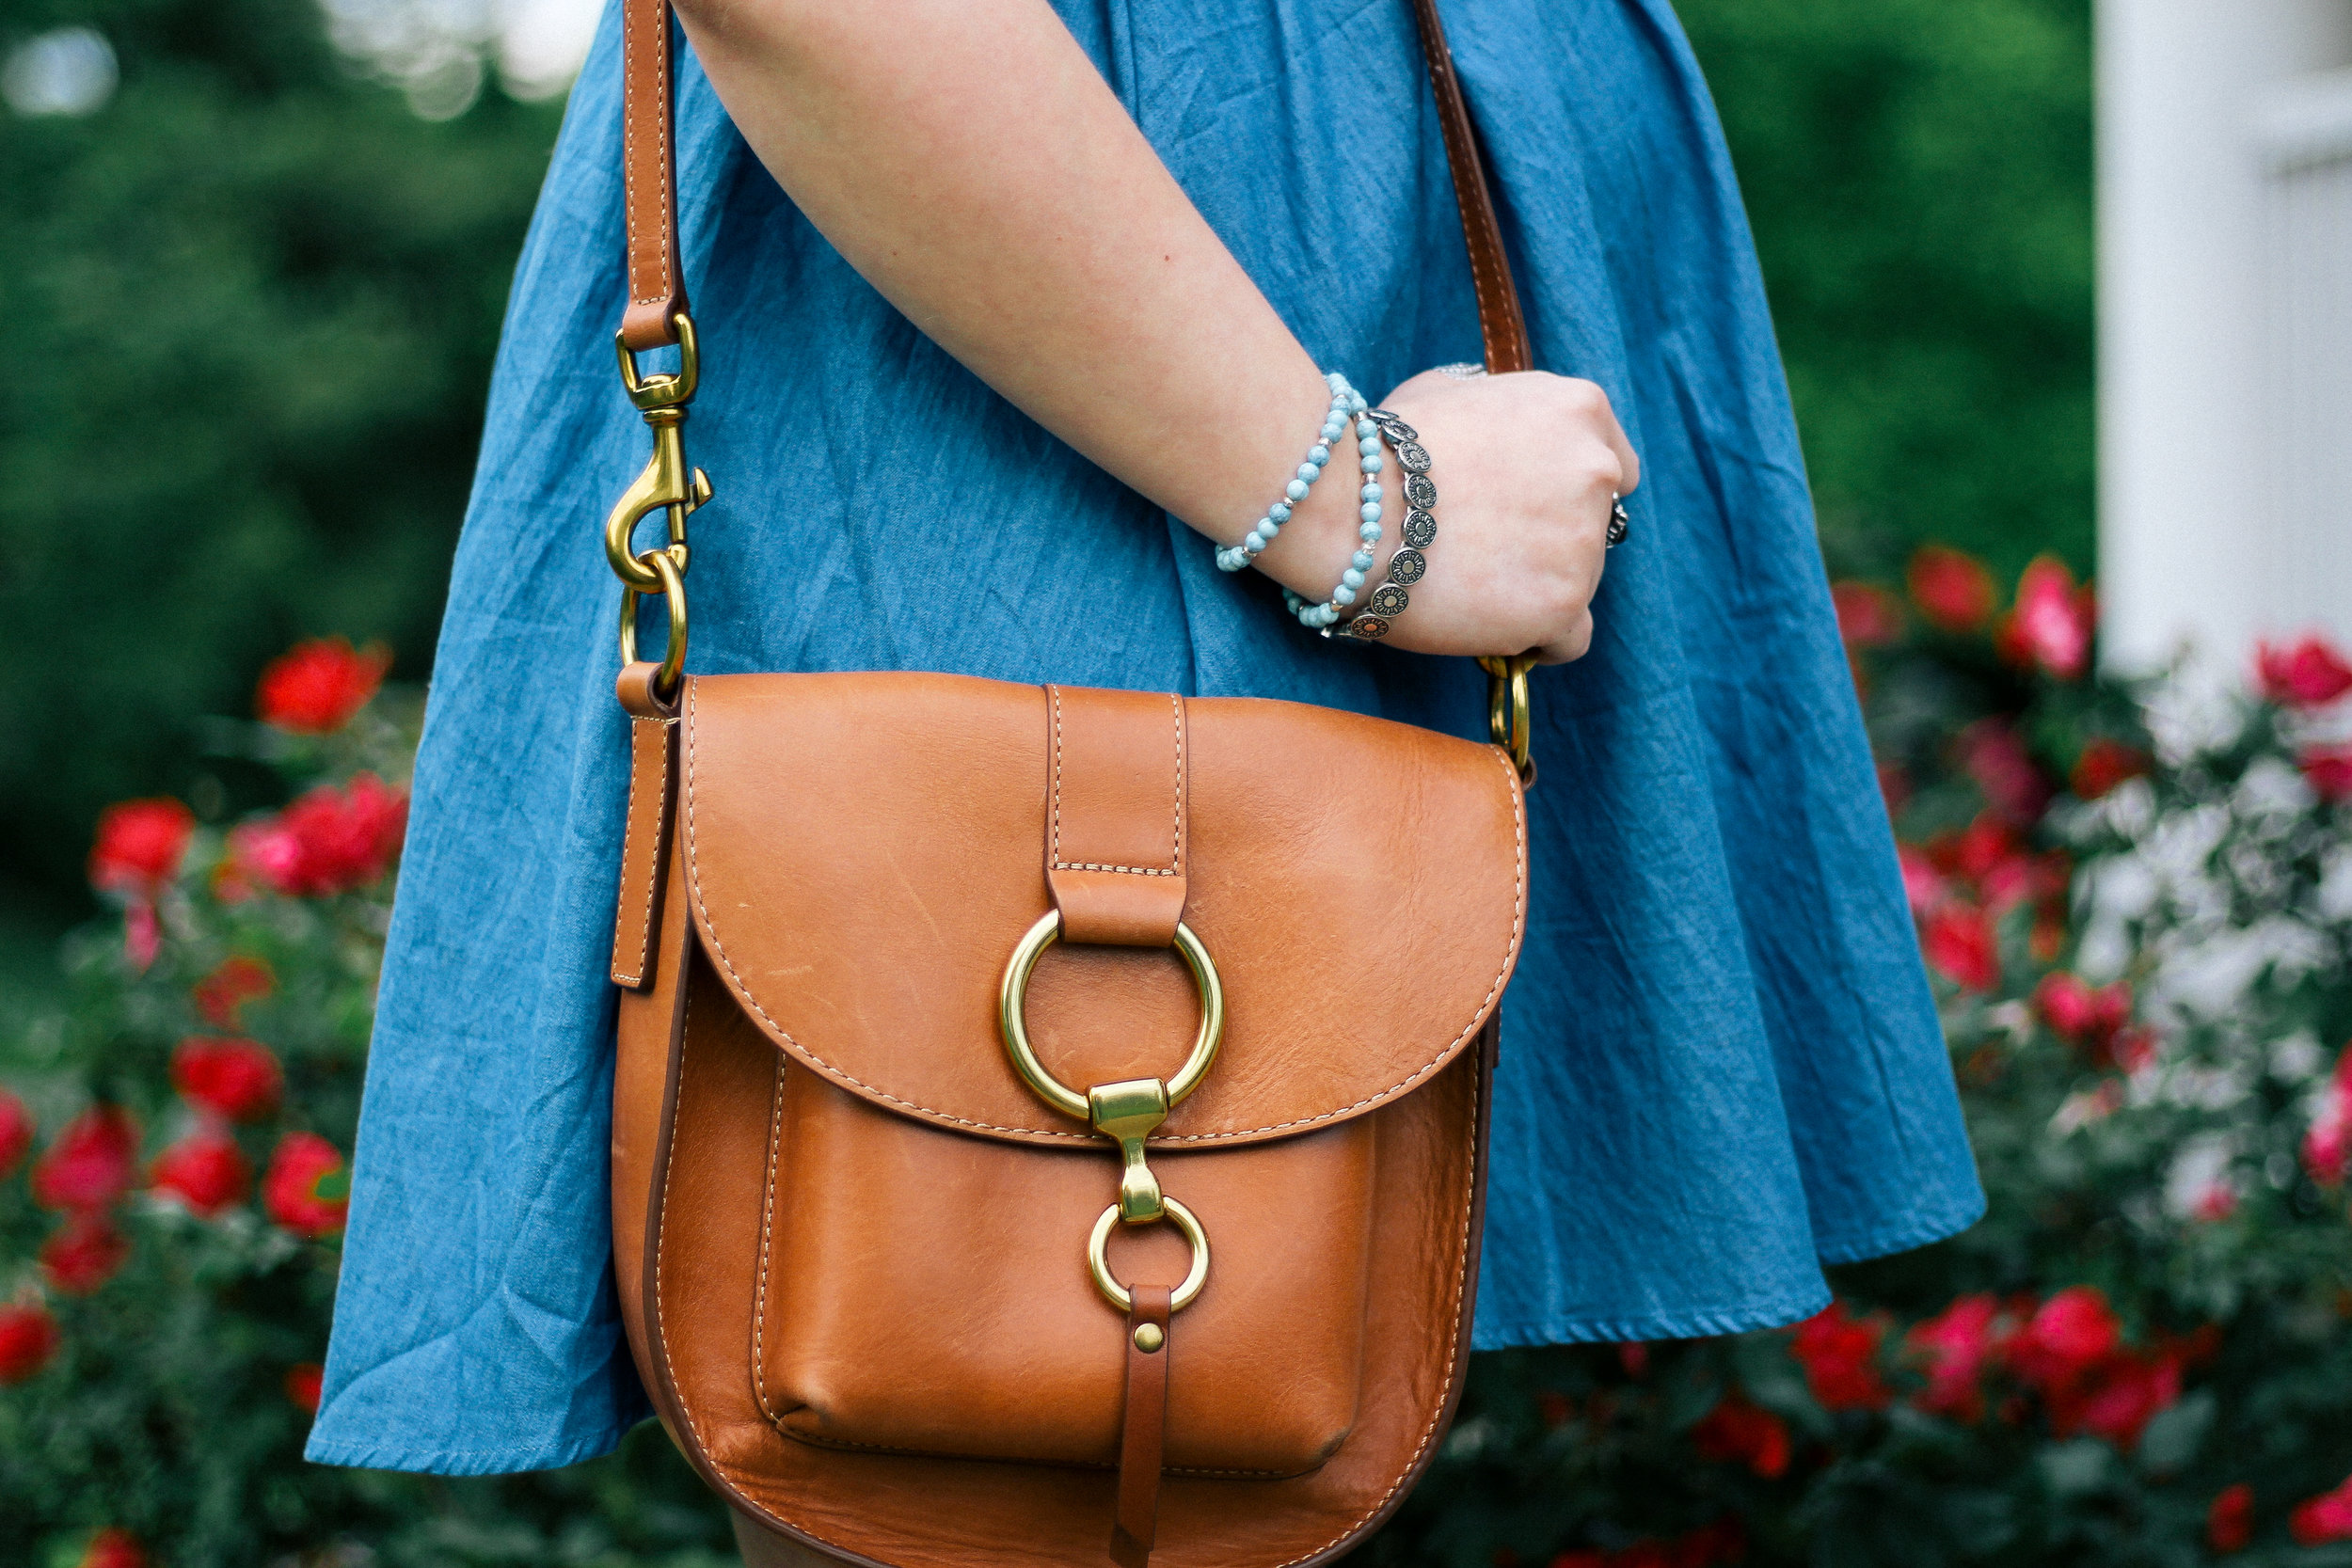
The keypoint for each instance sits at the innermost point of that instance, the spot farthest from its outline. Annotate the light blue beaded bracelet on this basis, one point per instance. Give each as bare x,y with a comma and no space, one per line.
1232,558
1368,462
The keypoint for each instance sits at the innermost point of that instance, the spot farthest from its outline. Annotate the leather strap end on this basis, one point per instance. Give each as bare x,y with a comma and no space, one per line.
1115,815
1143,1435
646,833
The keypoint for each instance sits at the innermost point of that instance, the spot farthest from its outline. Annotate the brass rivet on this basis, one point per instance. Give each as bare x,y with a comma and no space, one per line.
1148,1338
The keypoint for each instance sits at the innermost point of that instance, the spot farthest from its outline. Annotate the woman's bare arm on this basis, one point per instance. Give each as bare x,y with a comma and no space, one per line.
966,157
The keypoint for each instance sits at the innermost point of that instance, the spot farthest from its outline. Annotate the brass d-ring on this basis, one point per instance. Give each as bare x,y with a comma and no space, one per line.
1099,1263
1012,998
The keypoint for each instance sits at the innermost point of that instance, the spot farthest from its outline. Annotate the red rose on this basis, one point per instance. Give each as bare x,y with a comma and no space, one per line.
1951,588
1735,1431
205,1171
16,1133
307,1186
2050,629
2329,770
28,1337
223,994
2103,765
2328,1143
2326,1517
113,1548
328,841
2309,673
90,1164
2120,1400
1923,884
139,847
1996,759
1633,1356
1957,1343
315,687
1958,940
1839,1355
302,1386
2084,1015
2230,1522
82,1253
1867,615
1724,1541
238,1078
2063,1341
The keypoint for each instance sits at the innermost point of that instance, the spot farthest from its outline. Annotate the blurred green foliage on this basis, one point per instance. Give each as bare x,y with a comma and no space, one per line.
1918,175
254,302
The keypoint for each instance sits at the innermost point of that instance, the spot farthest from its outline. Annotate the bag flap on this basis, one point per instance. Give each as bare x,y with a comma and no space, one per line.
864,852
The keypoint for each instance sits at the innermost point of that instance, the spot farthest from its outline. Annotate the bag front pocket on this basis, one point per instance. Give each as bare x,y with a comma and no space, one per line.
925,1291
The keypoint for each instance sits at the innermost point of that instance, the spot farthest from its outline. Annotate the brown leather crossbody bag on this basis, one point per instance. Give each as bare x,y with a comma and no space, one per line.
935,1240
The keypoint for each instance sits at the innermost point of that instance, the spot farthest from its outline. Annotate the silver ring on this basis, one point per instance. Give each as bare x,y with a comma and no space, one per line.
1619,524
1463,371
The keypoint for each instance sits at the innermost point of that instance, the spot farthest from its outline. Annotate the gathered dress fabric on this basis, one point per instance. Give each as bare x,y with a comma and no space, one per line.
1721,1064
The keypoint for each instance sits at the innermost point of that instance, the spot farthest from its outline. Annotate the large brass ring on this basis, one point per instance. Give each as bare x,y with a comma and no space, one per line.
674,600
1012,1000
1099,1264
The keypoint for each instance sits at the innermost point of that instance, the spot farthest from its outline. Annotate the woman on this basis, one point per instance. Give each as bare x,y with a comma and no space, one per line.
1012,317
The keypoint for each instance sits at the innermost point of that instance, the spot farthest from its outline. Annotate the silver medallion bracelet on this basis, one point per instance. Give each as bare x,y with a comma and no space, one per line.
1409,563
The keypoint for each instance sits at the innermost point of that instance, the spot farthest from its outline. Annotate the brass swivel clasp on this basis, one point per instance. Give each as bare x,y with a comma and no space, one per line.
1128,1113
666,485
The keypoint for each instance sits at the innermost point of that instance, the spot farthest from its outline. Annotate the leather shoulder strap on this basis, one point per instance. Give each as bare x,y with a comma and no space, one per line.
657,283
1500,321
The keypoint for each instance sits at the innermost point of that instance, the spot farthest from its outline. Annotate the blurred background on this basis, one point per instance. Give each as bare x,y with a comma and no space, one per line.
2064,289
254,253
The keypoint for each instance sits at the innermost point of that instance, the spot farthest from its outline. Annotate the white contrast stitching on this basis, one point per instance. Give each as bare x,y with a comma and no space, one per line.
653,879
1176,859
662,1247
767,1231
1453,1337
659,44
743,992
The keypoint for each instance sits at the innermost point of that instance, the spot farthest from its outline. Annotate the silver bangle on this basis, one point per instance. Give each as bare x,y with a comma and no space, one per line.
1408,564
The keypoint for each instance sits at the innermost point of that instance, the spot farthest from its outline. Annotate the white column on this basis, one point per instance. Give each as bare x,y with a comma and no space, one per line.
2216,451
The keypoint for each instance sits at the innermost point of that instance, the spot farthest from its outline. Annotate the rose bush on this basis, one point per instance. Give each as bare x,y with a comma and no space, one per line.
173,1181
2135,901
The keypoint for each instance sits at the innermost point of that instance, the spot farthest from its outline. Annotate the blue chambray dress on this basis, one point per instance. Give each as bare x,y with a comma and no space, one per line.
1719,1063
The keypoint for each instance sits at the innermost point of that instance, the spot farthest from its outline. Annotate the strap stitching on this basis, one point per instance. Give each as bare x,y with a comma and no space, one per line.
743,992
1176,863
653,879
659,44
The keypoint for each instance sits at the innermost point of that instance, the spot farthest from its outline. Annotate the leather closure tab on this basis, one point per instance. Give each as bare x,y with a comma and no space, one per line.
657,283
1115,815
1143,1430
645,836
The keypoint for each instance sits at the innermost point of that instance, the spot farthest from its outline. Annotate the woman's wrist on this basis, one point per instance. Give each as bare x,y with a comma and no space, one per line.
1323,533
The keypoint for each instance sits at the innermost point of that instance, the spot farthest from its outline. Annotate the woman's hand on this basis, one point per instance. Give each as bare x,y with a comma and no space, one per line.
1525,465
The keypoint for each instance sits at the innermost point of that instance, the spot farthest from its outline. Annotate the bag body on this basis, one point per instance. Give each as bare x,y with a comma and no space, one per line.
852,1241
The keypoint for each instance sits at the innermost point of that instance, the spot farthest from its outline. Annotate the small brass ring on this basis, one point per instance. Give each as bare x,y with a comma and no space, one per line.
1013,1001
1099,1264
673,599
